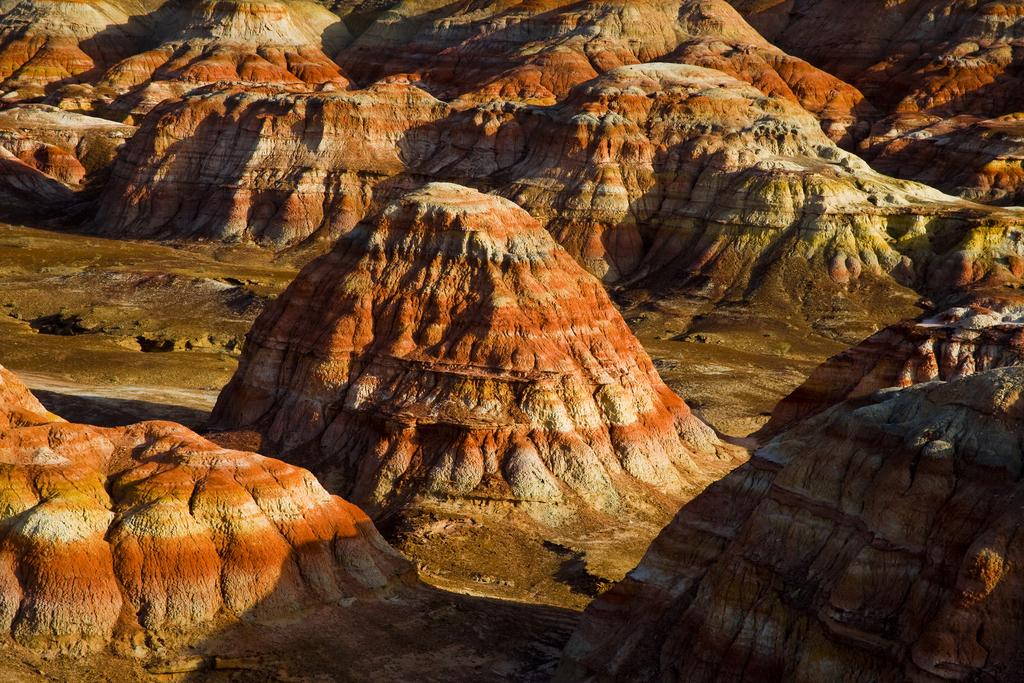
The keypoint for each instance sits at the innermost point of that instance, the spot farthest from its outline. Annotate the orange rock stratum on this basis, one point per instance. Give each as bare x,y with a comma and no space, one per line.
449,346
106,531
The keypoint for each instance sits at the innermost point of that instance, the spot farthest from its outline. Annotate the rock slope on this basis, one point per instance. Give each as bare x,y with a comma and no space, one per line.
875,542
108,531
953,344
450,347
539,51
268,165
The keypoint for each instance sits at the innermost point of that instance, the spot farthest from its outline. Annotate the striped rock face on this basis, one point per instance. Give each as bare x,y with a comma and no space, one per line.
105,531
953,344
878,541
449,346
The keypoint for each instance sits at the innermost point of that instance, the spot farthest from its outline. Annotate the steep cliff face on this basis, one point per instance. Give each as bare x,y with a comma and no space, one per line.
268,165
958,342
875,542
106,531
450,347
539,51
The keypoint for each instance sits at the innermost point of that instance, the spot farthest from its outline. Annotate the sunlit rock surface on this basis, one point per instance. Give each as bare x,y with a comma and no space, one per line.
106,531
450,347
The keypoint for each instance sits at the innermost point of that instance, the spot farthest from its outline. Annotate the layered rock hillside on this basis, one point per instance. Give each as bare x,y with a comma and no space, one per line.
539,51
926,67
676,179
265,164
107,532
953,344
875,542
449,347
696,188
977,159
64,146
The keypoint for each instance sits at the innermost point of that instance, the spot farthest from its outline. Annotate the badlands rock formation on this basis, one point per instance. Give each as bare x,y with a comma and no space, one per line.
63,145
539,51
450,347
980,160
108,531
875,542
269,165
953,344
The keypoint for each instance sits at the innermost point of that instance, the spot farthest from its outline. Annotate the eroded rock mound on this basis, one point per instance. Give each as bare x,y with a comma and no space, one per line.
876,542
539,51
449,346
104,531
268,165
953,344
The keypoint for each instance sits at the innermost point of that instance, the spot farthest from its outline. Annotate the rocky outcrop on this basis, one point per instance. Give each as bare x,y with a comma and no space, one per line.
449,347
269,165
875,542
958,342
62,145
539,51
980,160
108,531
688,184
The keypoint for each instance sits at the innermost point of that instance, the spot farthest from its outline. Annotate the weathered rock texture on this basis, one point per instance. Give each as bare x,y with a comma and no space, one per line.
451,347
876,542
917,60
691,185
539,51
62,145
980,160
264,164
106,531
956,343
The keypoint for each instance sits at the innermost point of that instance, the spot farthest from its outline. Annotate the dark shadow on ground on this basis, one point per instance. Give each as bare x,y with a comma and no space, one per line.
115,412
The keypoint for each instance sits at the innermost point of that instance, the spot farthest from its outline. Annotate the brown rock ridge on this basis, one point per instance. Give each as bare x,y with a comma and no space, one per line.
875,542
955,343
450,348
109,531
63,145
539,51
269,165
980,160
697,188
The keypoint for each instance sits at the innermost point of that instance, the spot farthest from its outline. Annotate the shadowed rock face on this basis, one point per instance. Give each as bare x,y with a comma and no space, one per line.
958,342
877,541
449,346
977,159
105,531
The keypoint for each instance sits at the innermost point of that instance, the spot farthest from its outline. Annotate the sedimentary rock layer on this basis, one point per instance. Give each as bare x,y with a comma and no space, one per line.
450,347
955,343
104,531
265,164
978,159
539,51
876,542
